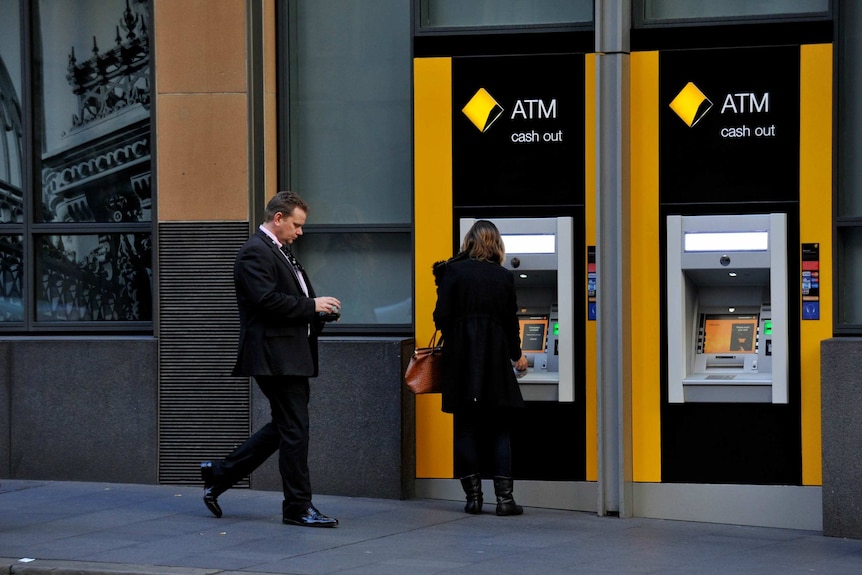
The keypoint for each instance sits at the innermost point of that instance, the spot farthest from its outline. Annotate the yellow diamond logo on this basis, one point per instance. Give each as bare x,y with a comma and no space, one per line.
691,104
482,109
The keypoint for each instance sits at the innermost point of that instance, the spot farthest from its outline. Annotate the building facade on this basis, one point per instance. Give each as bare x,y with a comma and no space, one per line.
142,138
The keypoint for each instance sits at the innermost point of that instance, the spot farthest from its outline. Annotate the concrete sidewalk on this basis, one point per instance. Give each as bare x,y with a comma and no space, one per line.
70,528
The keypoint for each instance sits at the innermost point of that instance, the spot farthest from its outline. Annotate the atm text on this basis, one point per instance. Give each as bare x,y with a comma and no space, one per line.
747,131
534,109
746,102
533,137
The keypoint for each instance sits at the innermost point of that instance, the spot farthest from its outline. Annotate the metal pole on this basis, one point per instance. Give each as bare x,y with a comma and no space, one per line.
613,18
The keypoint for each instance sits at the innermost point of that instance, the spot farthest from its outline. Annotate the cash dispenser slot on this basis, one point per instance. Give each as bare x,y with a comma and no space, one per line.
727,309
725,362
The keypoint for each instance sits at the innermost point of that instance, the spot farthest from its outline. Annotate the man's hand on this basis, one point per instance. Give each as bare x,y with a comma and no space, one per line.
326,304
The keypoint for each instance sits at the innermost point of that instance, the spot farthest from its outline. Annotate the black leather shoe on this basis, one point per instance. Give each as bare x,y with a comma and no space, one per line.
307,517
210,492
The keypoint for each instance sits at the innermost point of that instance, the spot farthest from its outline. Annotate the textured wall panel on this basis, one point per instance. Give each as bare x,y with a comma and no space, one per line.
203,411
363,421
79,408
842,437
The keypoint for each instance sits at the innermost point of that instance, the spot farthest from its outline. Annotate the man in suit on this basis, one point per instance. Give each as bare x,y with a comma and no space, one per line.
280,319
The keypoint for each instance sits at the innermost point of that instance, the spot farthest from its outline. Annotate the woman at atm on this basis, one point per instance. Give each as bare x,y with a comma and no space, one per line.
476,312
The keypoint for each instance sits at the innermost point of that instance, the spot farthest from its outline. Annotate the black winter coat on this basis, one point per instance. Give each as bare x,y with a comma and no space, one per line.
477,314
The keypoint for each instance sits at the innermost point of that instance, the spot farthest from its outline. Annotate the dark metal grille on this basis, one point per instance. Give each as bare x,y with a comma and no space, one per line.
203,411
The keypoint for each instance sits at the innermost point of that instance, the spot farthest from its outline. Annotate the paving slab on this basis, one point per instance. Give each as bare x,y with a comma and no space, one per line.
74,528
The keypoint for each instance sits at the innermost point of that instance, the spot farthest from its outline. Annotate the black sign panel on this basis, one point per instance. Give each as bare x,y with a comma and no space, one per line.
729,143
729,125
518,130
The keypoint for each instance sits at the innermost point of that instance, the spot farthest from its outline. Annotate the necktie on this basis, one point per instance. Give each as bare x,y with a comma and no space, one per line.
297,267
290,257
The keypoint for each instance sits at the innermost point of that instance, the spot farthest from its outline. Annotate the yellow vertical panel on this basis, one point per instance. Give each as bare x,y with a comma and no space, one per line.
432,163
592,438
645,269
815,226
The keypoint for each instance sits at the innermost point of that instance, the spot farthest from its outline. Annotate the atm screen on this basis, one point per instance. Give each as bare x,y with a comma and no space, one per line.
730,334
534,330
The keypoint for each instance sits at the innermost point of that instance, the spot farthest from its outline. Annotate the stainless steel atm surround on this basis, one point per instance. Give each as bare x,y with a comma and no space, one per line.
540,250
727,274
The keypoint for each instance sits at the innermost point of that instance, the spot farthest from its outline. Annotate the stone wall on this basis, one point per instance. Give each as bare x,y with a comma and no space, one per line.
842,437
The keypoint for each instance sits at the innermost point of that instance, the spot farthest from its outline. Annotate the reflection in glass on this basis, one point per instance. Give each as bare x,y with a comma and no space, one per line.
351,101
677,10
849,275
96,277
364,270
11,133
11,279
478,13
96,110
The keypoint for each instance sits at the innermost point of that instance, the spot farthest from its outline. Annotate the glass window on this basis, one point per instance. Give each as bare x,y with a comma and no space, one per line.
849,276
11,279
669,10
485,13
365,271
849,125
848,248
95,102
94,277
75,193
350,111
11,131
350,135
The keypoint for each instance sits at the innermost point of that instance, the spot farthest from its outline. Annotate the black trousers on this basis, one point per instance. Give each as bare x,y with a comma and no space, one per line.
483,441
287,433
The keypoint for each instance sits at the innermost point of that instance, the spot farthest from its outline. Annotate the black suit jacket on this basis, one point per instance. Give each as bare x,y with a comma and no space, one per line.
278,324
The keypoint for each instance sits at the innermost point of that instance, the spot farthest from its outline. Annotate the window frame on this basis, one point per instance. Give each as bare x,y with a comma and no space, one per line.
32,231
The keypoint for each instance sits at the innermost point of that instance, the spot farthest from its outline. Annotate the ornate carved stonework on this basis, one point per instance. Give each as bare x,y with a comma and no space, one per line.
11,153
111,80
102,172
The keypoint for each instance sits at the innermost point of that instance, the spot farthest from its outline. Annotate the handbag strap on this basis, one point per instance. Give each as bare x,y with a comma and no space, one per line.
433,342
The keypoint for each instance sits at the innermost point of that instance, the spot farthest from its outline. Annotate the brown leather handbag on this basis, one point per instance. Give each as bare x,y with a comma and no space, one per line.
425,372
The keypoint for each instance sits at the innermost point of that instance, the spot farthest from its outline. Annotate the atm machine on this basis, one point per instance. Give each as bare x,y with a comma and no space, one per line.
539,254
727,315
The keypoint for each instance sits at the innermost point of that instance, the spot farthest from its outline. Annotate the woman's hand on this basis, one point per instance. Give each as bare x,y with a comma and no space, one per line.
521,364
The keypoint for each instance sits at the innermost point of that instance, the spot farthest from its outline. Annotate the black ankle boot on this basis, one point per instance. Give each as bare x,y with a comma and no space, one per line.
472,485
505,501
